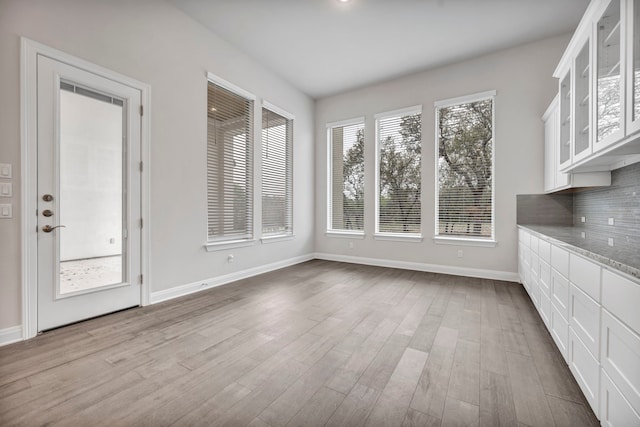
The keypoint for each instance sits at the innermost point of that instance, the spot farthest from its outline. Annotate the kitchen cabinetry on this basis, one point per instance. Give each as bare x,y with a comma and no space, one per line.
591,313
599,89
557,150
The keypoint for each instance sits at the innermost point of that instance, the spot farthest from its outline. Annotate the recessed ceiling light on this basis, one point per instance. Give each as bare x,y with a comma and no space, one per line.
344,1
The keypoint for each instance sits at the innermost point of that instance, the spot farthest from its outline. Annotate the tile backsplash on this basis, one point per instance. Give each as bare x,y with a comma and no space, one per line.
619,203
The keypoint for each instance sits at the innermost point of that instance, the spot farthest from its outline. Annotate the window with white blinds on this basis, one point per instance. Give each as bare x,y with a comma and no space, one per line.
229,162
346,176
399,160
464,187
277,169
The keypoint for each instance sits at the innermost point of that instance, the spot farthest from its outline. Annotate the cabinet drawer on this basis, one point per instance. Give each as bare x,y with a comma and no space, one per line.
560,260
534,291
584,319
585,275
585,369
621,297
620,358
526,238
615,411
534,244
544,308
559,329
559,293
544,278
544,251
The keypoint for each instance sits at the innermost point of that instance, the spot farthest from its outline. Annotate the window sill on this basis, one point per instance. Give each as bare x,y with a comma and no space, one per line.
465,241
345,234
276,238
228,244
398,237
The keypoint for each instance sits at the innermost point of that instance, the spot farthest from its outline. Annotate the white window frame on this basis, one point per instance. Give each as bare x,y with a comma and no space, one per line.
463,240
378,235
216,245
287,235
331,232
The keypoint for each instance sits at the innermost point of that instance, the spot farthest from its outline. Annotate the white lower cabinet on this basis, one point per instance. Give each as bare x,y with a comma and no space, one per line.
615,410
545,308
584,319
585,369
559,330
620,357
559,292
593,316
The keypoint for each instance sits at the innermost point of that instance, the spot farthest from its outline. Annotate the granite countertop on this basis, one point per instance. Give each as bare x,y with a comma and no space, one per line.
592,245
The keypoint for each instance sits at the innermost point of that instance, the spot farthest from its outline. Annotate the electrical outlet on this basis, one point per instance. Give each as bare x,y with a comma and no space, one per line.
460,253
610,241
610,221
230,258
583,219
583,234
350,245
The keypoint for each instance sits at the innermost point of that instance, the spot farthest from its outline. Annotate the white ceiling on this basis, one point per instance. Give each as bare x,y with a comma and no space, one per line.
324,47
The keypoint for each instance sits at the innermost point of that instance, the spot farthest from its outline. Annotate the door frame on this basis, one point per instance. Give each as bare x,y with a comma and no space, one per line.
28,149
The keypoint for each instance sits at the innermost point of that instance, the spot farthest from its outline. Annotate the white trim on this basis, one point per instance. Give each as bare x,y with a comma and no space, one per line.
418,266
465,99
228,244
274,108
347,122
398,237
464,241
202,285
29,50
11,335
230,86
416,109
345,234
273,238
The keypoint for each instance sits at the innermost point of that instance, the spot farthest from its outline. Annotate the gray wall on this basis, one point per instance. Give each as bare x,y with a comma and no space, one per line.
525,87
152,41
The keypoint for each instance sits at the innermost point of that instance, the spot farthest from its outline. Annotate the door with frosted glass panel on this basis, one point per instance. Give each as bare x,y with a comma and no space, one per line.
88,195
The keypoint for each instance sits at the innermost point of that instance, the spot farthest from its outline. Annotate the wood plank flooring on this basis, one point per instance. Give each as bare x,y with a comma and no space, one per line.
316,344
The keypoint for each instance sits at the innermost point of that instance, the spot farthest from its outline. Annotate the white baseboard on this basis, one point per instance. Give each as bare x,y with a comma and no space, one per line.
10,335
201,285
418,266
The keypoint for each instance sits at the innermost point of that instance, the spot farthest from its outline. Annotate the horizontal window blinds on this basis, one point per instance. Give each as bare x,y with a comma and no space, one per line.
346,200
229,165
277,179
399,182
465,169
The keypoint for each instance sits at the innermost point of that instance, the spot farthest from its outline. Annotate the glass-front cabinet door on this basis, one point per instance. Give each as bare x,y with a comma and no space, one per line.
633,66
609,84
582,98
564,147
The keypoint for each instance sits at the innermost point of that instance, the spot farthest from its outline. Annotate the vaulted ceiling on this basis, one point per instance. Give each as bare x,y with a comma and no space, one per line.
325,46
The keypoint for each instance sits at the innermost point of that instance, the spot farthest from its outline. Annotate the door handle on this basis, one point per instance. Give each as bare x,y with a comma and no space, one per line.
49,229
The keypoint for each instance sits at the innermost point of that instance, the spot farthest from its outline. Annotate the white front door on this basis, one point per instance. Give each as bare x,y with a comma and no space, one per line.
88,189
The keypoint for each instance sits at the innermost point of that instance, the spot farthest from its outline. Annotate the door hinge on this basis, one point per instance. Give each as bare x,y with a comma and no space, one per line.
141,110
140,279
141,223
141,167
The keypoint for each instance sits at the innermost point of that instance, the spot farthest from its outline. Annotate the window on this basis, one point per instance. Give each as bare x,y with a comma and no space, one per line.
399,159
464,165
229,162
346,176
277,180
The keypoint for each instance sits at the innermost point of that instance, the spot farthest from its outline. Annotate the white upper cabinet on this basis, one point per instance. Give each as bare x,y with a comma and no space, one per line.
609,84
599,77
581,146
633,66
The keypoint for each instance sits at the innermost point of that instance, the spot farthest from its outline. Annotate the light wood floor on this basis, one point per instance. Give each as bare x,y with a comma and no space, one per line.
317,344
